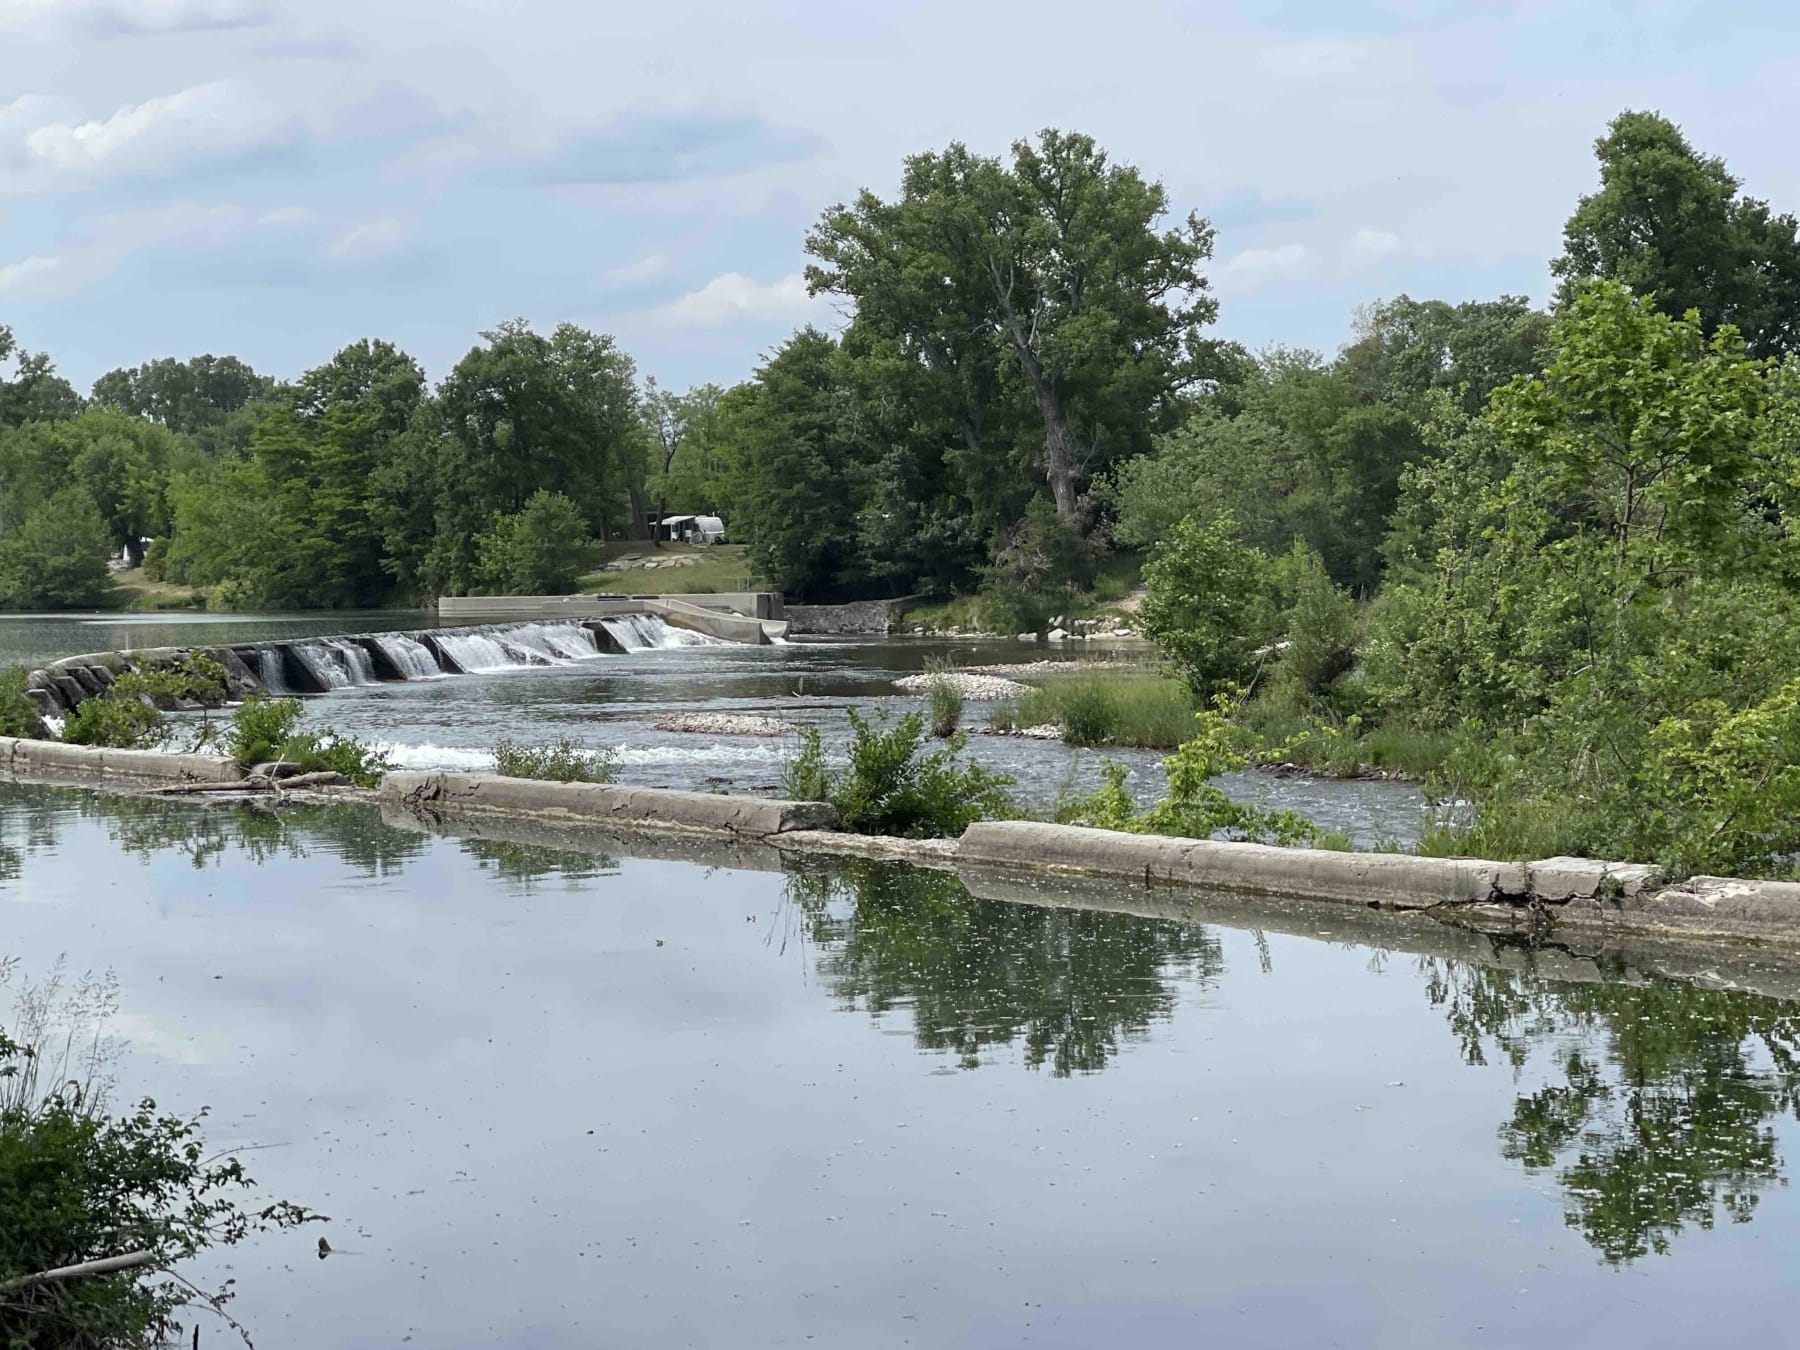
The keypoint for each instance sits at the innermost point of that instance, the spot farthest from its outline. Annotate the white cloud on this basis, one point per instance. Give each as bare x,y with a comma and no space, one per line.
1368,245
1255,268
160,134
639,271
33,278
373,237
735,298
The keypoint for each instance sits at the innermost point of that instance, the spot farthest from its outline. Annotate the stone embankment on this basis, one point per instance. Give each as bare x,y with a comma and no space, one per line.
1578,895
864,618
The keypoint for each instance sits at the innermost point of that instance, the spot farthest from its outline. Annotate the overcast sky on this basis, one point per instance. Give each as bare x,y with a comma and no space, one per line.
275,178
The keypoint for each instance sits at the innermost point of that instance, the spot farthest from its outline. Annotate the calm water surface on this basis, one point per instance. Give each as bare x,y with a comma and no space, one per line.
567,1099
617,701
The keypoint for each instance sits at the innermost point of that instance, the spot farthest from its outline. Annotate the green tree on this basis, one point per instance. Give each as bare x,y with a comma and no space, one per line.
1053,271
1207,605
34,392
1670,222
53,554
194,397
538,550
802,478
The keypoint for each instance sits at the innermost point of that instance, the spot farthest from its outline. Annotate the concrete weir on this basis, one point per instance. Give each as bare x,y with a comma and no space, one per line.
319,665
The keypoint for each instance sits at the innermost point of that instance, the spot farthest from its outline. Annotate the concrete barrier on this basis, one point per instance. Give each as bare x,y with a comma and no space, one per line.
719,623
55,759
663,808
1395,880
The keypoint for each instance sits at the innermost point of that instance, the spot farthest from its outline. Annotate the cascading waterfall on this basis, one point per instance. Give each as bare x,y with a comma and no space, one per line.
268,666
322,663
338,663
359,666
412,659
476,652
647,633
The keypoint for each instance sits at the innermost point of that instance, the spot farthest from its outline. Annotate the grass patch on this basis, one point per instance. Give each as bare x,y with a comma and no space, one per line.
722,567
1277,733
132,590
1126,707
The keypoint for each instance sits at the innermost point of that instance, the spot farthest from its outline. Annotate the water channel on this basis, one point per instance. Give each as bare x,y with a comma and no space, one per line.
568,1093
617,701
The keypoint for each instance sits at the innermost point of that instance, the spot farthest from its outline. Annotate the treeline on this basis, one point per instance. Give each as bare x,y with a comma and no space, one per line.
1589,574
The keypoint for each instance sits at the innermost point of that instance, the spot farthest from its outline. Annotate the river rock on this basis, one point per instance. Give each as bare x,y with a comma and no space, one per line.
976,687
726,724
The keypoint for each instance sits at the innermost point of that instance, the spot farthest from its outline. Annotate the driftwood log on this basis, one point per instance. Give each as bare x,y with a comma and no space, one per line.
324,778
106,1265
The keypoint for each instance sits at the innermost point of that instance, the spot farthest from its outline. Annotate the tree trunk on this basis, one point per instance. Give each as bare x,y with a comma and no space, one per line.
1059,463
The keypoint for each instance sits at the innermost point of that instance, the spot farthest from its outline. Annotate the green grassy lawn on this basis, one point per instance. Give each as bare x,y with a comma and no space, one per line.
132,590
722,567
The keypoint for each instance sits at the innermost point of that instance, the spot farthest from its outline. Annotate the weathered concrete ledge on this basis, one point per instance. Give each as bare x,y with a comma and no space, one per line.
1391,880
53,759
664,808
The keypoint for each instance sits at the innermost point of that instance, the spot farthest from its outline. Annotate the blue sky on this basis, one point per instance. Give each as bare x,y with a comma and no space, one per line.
274,179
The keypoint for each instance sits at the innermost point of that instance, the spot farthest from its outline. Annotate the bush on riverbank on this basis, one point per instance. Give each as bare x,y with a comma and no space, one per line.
1127,707
1195,806
946,709
79,1182
18,714
560,761
891,787
129,715
265,730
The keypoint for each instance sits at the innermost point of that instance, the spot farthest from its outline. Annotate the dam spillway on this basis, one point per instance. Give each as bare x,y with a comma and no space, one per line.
321,665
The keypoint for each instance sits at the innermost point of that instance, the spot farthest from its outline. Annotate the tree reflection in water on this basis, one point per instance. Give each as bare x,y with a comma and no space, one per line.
1662,1101
1659,1099
1069,986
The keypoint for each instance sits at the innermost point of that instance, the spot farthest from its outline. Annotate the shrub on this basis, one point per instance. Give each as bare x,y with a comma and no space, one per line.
80,1182
265,730
890,787
946,709
559,762
18,714
129,715
1207,605
538,550
1125,707
1195,806
1090,714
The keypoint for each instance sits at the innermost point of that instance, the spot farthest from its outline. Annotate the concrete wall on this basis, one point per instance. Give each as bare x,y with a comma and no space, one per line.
864,616
719,623
712,813
53,759
499,608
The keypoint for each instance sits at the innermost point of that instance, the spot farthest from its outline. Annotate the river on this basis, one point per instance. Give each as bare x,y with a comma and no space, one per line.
566,1098
616,701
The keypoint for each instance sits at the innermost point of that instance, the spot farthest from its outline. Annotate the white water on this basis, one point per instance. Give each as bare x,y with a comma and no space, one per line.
646,633
412,659
358,664
557,641
465,759
476,652
274,679
323,663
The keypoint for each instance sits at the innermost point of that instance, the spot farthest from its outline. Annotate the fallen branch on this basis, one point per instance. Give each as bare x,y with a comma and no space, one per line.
106,1265
323,778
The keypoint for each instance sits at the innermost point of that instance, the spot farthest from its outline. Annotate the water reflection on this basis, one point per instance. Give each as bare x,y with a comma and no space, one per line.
1067,986
1661,1098
1652,1104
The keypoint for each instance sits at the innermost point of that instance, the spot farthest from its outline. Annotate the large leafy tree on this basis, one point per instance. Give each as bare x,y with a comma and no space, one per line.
1671,222
1050,278
198,397
34,392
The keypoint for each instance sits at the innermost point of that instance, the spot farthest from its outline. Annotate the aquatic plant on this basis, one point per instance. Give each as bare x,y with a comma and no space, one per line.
560,761
891,787
946,709
265,730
